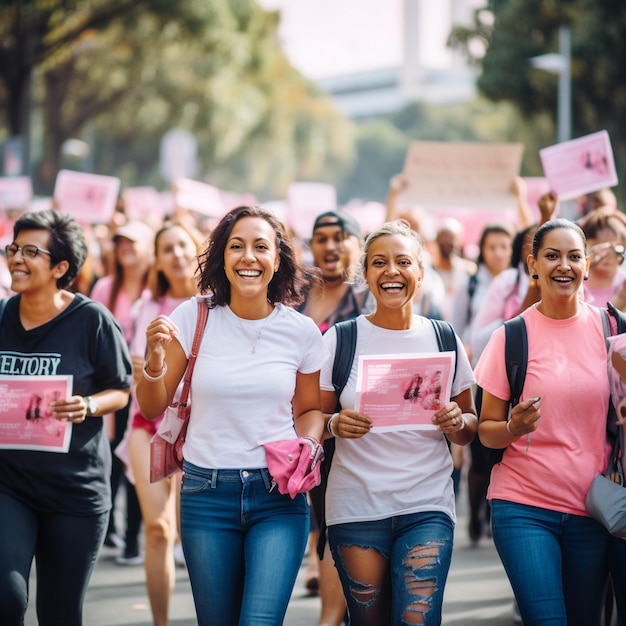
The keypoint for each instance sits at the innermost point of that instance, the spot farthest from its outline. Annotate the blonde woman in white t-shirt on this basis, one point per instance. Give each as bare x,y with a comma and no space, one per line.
390,501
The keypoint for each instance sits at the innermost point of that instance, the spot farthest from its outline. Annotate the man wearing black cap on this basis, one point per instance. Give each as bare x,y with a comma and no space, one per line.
334,297
336,247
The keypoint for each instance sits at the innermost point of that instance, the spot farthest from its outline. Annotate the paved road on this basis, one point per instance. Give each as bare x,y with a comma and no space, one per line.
477,592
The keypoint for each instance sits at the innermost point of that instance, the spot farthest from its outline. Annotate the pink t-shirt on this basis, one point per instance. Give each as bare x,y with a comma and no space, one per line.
567,367
122,311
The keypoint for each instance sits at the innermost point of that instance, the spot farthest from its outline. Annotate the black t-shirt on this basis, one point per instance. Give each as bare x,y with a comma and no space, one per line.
85,341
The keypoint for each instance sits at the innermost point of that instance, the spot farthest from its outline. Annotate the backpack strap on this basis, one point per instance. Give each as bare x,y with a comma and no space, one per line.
3,304
446,338
344,354
516,355
342,366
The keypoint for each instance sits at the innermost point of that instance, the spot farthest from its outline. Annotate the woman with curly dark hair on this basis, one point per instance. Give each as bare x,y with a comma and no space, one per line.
256,380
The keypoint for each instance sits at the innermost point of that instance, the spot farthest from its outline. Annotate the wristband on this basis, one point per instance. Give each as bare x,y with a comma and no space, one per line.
153,379
329,426
508,429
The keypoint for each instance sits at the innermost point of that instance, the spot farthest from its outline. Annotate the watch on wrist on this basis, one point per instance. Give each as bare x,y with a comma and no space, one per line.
91,404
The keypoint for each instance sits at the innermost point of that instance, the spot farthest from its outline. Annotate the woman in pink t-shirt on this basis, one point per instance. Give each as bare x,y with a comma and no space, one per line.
553,552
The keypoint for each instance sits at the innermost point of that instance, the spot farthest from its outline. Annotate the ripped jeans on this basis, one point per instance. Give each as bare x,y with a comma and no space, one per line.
393,571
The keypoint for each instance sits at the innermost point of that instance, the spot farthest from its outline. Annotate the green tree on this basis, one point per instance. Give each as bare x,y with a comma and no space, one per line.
125,72
513,31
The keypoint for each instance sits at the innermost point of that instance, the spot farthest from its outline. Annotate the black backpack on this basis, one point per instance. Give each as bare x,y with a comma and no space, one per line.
342,366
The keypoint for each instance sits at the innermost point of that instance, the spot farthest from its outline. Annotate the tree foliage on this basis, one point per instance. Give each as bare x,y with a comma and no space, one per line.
121,73
513,31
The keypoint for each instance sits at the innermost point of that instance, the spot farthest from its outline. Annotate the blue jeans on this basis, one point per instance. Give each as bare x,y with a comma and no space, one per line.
393,569
617,566
65,548
556,563
243,545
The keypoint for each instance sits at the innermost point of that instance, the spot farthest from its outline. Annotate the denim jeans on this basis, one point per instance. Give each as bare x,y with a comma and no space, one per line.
243,545
617,566
65,548
556,563
394,568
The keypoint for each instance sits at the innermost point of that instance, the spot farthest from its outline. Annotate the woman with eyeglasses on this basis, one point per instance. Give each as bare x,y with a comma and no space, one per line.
605,230
54,504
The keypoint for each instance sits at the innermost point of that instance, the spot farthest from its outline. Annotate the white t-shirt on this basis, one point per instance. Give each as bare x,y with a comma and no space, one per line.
242,399
386,474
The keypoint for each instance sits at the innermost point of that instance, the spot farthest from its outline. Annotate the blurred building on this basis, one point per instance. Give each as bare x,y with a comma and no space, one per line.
399,47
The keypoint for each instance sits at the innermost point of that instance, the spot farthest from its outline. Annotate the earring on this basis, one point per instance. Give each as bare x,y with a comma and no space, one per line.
535,277
586,277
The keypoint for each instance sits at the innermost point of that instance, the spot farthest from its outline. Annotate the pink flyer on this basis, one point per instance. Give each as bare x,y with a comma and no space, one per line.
403,391
580,166
26,421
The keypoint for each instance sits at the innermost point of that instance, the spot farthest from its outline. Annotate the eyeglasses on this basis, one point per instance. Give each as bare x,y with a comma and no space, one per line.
600,250
29,251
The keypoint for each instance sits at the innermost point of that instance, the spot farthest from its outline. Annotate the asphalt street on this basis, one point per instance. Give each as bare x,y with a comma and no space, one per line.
477,591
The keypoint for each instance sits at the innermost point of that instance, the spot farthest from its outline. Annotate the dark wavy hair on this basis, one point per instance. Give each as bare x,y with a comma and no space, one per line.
66,243
287,285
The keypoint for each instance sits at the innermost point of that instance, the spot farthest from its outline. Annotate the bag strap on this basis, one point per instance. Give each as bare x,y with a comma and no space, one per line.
446,339
3,305
515,355
344,354
203,315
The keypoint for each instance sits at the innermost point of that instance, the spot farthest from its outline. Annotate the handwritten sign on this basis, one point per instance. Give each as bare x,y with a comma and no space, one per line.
579,166
89,198
463,175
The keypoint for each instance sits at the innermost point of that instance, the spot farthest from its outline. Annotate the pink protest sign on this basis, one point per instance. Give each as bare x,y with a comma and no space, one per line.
369,215
200,197
305,201
580,166
90,198
462,175
140,202
15,192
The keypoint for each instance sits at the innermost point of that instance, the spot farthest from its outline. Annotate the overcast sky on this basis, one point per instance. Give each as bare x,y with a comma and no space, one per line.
331,37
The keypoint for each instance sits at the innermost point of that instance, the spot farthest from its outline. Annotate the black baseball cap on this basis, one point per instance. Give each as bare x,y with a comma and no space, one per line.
348,223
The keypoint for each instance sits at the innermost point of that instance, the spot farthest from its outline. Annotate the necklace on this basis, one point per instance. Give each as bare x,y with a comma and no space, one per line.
259,332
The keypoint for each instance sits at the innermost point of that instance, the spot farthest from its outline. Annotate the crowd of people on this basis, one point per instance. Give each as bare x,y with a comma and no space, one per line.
116,308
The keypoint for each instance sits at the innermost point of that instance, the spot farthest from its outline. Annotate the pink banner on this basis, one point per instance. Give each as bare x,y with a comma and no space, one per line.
580,166
90,198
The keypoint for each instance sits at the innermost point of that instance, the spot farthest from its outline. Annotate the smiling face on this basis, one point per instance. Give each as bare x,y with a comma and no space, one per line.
560,263
250,258
393,270
175,255
30,274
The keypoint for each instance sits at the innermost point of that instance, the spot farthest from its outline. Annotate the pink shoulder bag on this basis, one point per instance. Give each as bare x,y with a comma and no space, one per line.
166,446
